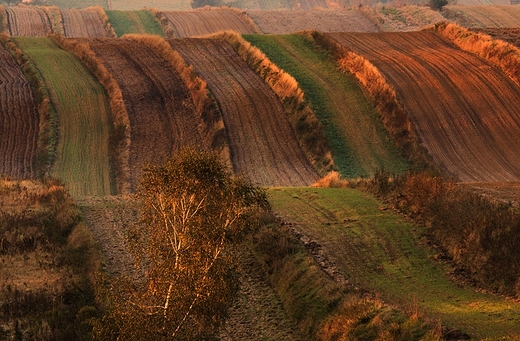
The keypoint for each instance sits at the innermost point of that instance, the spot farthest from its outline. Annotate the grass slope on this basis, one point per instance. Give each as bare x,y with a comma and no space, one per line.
143,21
82,160
378,250
357,138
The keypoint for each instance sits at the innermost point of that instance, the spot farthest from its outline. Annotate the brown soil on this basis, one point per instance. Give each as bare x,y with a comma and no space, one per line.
160,109
19,120
82,23
285,21
481,16
465,111
28,22
505,192
509,35
262,143
198,23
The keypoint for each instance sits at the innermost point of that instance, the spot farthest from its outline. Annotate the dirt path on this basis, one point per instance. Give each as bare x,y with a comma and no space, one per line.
197,23
285,21
466,112
161,112
27,21
19,120
262,143
82,23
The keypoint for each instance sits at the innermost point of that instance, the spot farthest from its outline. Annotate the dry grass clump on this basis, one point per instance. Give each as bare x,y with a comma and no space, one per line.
169,30
392,114
497,52
303,120
104,17
54,14
120,136
331,180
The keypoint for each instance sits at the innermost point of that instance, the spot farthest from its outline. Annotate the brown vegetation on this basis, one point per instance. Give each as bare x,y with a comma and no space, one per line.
28,21
55,17
509,35
463,109
303,120
120,135
104,18
86,23
499,53
262,144
393,115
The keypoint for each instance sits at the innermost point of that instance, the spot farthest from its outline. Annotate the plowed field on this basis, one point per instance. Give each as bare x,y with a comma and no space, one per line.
510,35
19,120
161,112
197,23
466,112
262,143
284,21
485,16
79,23
27,21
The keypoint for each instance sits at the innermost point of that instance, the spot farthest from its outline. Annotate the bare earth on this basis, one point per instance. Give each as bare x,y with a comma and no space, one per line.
465,111
262,143
509,35
19,120
28,21
82,23
503,15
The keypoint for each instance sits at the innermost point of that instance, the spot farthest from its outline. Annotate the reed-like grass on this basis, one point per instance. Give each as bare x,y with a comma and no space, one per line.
497,52
54,14
303,120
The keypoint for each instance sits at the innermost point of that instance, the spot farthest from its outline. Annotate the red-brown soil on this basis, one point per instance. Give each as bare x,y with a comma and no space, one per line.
19,120
203,22
28,22
509,35
83,23
285,21
465,111
160,109
262,143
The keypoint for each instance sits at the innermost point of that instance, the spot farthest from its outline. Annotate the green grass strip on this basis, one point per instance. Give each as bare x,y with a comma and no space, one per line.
142,21
378,250
82,158
358,140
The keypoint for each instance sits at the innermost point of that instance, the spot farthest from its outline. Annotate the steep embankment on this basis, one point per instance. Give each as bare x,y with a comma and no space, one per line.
262,143
27,21
377,250
338,20
161,112
19,120
87,23
481,16
464,110
203,22
82,155
348,116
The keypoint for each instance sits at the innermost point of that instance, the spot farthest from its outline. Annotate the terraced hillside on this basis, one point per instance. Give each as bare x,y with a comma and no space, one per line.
19,120
465,111
27,21
79,23
262,143
285,21
203,22
160,109
82,114
482,16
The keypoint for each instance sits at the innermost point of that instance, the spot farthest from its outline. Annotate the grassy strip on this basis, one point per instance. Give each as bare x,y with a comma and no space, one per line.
499,53
143,21
303,120
105,19
378,250
325,309
119,141
316,72
56,19
47,136
49,263
82,158
394,117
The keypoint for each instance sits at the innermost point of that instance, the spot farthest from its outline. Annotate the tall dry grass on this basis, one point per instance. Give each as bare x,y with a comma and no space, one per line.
104,17
54,14
47,133
166,25
303,120
392,114
497,52
120,136
205,106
